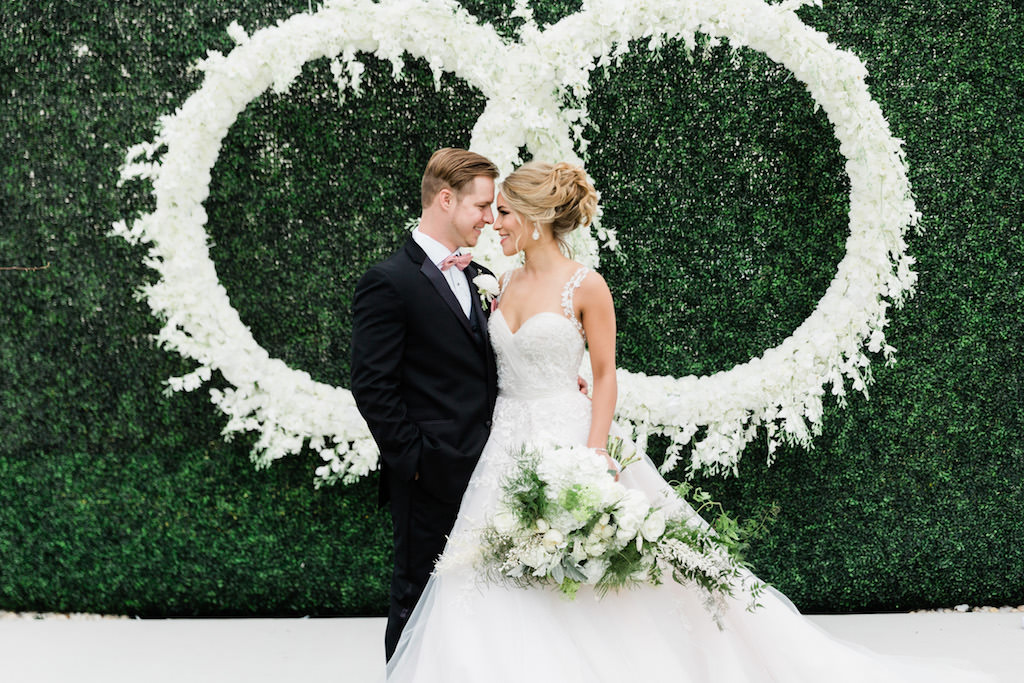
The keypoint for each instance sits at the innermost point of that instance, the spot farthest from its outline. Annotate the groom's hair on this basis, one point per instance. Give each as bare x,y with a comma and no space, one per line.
452,167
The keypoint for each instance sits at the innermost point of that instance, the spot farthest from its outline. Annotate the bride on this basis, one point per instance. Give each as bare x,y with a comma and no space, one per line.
463,630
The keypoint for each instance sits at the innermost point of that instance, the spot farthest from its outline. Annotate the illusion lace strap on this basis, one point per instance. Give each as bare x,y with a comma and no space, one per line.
505,278
567,292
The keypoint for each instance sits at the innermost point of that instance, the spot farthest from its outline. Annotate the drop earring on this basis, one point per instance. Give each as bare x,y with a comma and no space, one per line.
536,233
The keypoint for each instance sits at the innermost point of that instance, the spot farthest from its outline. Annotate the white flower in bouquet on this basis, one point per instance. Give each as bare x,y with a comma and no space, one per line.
579,551
553,540
630,514
504,521
568,519
654,526
594,570
533,555
596,548
603,530
682,555
612,492
567,466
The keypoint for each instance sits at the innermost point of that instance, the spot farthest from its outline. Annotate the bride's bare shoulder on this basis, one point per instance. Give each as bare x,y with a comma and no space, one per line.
505,278
592,287
590,278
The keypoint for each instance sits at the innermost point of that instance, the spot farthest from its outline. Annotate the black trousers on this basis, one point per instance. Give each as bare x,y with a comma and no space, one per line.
421,526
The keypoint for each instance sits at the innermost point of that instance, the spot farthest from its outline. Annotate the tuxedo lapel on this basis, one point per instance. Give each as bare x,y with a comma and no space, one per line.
482,311
437,279
477,303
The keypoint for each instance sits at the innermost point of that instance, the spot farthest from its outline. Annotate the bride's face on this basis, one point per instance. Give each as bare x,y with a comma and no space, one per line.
509,226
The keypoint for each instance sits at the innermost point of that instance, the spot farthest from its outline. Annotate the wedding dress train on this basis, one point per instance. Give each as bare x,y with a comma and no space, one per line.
466,631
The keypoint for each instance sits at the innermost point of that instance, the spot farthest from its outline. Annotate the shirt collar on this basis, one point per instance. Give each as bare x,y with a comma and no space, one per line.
434,250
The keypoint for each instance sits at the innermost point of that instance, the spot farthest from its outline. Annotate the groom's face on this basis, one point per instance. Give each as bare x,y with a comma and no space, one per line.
471,211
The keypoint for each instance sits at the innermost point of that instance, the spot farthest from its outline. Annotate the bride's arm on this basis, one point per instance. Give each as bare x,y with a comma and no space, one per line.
597,313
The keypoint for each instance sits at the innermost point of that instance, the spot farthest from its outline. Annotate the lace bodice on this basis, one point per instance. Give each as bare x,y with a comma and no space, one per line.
538,397
542,358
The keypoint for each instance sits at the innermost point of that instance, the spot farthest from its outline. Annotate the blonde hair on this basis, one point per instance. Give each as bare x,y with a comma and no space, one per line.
556,195
453,168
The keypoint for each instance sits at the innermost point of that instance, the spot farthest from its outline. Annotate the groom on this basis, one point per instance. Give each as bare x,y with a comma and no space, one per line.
423,373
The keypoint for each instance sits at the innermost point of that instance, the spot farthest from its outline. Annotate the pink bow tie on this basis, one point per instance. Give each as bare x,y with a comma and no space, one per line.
460,261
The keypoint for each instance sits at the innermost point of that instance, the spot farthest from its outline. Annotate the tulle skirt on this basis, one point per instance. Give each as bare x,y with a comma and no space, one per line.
463,630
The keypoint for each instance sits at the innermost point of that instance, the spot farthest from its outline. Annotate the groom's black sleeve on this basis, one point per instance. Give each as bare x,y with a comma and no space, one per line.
378,341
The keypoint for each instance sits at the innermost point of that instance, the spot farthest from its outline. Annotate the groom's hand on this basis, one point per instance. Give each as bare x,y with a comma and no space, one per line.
582,384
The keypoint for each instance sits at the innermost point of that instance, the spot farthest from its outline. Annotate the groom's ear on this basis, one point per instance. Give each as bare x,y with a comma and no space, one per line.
445,198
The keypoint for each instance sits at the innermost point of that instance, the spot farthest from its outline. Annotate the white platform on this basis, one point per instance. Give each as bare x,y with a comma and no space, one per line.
351,650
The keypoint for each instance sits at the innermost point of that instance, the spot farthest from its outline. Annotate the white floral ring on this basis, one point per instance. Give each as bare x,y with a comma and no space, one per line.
289,409
783,389
286,406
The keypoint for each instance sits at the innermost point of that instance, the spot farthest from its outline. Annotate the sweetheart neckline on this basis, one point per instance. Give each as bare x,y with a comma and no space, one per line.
535,315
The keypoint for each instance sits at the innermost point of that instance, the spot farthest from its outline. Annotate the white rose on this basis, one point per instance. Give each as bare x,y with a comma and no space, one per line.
601,531
542,525
630,513
486,283
553,539
488,287
654,526
504,522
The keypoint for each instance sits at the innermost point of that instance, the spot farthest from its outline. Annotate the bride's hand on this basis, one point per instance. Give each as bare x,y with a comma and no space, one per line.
613,466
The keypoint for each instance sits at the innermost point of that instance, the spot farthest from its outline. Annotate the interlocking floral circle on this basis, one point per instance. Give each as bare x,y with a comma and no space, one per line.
532,80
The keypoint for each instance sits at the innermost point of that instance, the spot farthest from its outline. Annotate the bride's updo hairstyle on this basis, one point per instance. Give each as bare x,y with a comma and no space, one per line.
554,195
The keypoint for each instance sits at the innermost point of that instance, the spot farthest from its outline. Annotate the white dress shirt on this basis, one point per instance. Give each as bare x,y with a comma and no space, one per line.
455,278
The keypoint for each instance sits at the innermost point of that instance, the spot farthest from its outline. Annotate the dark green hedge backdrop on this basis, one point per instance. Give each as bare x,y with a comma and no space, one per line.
729,197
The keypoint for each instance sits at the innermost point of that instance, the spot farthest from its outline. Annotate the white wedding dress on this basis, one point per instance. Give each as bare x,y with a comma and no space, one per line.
465,631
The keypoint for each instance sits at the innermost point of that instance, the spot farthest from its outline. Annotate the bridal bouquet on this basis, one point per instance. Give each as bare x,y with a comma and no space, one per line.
562,521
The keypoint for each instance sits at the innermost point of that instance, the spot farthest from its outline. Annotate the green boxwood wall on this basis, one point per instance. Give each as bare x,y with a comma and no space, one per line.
729,197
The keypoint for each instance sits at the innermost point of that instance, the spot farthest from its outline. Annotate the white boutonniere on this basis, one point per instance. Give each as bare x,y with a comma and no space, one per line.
488,287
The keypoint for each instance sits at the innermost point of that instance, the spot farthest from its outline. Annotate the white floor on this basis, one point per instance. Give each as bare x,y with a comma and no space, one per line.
351,650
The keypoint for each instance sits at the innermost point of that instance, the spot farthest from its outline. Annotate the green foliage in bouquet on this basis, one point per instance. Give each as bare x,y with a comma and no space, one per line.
563,521
730,533
527,491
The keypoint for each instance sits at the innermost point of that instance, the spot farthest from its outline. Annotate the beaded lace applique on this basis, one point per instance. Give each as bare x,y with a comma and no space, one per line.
570,288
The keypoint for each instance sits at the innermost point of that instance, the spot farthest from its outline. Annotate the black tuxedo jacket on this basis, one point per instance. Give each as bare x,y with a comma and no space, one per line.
423,374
